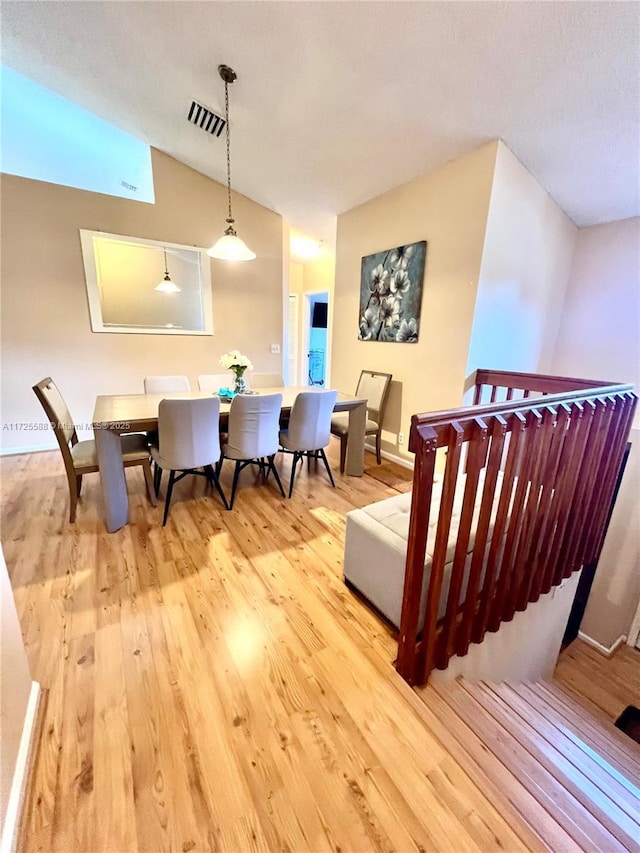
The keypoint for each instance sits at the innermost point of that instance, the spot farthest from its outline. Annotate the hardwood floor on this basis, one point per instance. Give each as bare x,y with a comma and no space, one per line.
606,685
213,685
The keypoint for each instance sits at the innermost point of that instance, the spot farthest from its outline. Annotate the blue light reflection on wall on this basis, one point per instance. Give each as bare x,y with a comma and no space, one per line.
47,138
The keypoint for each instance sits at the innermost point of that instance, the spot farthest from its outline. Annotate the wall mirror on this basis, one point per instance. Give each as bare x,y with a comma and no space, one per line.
146,287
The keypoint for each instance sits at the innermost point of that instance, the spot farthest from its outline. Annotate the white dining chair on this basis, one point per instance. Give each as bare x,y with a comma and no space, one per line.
166,384
253,435
309,430
215,381
188,440
265,380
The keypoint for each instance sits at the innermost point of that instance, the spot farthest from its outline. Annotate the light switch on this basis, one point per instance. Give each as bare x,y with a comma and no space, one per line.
275,349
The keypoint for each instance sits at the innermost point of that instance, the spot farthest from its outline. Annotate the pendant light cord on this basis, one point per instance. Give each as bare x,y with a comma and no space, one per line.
226,115
166,268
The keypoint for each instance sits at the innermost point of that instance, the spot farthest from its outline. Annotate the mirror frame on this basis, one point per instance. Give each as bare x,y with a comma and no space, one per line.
93,285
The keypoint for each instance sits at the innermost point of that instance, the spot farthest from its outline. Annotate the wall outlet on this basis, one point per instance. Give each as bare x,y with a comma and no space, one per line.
400,438
275,349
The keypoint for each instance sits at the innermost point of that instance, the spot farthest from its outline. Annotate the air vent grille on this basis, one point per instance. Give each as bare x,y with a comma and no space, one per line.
205,118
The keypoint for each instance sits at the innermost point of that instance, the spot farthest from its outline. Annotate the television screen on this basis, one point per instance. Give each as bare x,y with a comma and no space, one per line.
319,318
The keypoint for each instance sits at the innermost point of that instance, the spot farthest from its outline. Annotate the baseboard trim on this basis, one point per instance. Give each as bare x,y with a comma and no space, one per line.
27,448
399,460
24,761
608,651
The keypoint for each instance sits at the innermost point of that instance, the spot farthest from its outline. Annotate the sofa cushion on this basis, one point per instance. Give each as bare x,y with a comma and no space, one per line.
376,547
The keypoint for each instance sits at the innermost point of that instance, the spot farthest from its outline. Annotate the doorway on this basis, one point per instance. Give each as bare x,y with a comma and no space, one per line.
316,351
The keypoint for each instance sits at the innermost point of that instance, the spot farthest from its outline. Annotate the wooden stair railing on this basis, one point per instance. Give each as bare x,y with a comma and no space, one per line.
558,455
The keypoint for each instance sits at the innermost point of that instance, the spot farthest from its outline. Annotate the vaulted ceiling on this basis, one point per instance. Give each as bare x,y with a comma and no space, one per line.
337,102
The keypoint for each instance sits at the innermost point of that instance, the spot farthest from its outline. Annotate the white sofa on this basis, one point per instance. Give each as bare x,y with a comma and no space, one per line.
376,549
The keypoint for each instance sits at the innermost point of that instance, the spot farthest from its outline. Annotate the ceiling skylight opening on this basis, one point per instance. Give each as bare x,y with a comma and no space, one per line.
47,138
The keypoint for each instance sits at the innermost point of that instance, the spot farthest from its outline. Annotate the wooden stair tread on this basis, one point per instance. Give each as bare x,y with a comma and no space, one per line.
617,788
533,824
576,820
582,704
599,735
606,820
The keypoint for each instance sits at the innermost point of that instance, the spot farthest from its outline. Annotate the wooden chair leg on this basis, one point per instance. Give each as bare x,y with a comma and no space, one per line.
78,484
73,498
343,453
72,480
148,480
378,453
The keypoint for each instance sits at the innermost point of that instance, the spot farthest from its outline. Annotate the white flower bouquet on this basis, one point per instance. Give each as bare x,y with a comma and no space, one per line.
234,359
238,363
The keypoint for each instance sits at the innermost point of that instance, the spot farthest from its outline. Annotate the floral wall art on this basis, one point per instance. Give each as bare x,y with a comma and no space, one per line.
391,294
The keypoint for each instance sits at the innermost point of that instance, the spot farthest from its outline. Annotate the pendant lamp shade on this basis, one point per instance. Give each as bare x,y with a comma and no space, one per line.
229,247
166,285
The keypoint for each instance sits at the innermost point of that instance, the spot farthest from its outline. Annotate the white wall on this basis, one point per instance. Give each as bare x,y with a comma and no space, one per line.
525,649
15,687
599,337
526,260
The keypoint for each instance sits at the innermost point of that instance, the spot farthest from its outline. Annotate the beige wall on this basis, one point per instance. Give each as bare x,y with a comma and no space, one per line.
45,317
312,277
525,649
600,338
526,261
15,687
447,207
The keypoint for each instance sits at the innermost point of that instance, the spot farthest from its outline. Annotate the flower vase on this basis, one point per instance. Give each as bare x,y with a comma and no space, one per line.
240,385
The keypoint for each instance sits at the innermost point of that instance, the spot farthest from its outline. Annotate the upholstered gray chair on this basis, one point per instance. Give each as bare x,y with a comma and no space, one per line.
188,440
166,384
253,435
264,380
309,430
215,381
375,387
81,457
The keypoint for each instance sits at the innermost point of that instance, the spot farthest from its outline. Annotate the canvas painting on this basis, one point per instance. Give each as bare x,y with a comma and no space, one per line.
391,294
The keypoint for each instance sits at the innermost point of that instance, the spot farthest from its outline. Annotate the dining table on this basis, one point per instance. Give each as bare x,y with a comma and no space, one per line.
117,414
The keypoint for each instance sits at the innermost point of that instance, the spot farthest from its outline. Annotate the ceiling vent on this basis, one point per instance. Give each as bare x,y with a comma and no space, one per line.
205,118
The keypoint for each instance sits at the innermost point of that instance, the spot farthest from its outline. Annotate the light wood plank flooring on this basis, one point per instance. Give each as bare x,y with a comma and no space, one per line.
214,686
605,685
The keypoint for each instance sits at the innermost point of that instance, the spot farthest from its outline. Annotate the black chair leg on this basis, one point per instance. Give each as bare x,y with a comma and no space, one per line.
297,456
236,474
172,476
157,478
273,468
213,478
323,456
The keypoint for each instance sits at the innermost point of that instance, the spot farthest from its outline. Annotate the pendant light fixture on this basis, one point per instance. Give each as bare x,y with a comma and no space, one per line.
166,285
229,247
